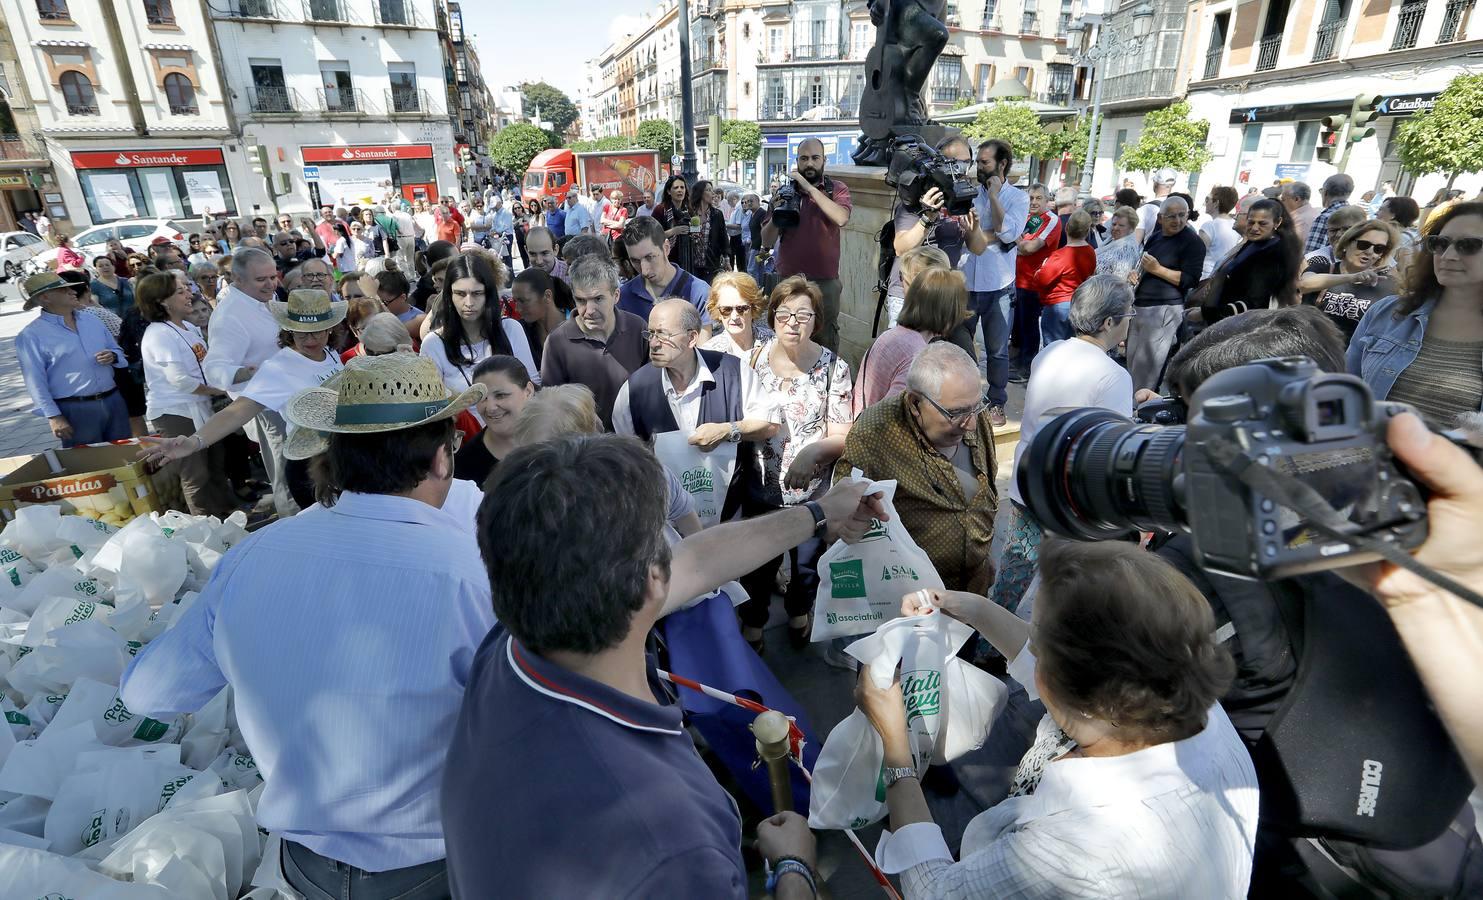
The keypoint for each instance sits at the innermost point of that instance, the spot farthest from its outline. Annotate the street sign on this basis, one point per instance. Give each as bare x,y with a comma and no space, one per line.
1406,104
311,174
674,160
1295,171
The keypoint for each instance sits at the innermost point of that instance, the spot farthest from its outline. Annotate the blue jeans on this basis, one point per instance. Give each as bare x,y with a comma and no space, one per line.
321,878
96,421
1055,322
991,310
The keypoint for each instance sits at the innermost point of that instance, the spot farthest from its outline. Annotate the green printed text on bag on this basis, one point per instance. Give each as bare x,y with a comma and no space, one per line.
922,691
848,578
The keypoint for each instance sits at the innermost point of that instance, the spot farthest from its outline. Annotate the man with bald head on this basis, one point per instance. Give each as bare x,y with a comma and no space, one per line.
811,248
1172,261
540,246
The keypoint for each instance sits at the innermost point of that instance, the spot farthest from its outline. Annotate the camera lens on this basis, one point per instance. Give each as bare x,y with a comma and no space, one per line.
1091,474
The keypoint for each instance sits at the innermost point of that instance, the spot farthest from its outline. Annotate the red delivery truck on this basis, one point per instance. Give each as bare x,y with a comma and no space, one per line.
637,173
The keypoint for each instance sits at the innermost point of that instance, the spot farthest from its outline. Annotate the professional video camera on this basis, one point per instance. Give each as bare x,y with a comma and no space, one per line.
1281,470
915,168
786,206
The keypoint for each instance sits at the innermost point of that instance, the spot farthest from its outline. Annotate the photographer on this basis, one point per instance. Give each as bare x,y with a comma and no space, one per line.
930,227
811,248
1003,209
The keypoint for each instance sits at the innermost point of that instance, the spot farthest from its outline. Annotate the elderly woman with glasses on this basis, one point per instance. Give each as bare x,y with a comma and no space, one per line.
735,301
1424,346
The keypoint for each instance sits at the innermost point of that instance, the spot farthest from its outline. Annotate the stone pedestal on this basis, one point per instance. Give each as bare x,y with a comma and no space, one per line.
859,254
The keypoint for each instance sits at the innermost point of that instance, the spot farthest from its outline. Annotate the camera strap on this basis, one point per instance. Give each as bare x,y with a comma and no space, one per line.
1291,493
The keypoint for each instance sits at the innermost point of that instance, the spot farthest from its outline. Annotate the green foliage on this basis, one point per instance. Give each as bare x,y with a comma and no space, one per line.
556,107
553,137
1170,140
1015,122
1449,137
744,137
1072,138
656,134
962,103
614,142
514,146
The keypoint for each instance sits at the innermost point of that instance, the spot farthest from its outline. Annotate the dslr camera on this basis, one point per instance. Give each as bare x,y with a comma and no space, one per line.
915,167
1091,474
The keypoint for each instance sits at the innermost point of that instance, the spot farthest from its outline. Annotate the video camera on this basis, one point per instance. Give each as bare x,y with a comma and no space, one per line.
1091,474
915,167
787,206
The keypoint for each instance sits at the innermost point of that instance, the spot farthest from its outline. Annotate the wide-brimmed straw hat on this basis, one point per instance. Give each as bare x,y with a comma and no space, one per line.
308,310
41,283
373,394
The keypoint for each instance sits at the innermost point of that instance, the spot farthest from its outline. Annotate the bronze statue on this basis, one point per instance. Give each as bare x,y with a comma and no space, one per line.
909,36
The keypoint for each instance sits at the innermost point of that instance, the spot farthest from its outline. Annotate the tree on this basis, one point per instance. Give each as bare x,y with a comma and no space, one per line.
657,134
1448,138
1015,122
962,103
1170,140
615,142
514,146
1072,139
744,137
555,106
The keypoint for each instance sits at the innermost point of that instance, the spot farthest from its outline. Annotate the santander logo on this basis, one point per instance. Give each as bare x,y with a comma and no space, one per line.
347,155
122,160
151,159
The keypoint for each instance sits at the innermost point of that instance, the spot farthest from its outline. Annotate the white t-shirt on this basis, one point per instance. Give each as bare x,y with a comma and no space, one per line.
1223,239
172,357
460,378
1148,217
287,372
344,253
1073,373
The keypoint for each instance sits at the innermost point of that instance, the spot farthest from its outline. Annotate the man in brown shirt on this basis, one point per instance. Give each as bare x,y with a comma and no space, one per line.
600,345
934,440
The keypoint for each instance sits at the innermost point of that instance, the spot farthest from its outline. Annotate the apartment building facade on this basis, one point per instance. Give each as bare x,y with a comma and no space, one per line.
27,181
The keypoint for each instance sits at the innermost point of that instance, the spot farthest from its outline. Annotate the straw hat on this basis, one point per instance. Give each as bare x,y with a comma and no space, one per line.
373,394
41,283
308,310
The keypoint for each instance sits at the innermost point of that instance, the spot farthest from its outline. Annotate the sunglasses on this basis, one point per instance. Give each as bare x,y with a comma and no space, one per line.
726,311
1380,248
958,415
1437,244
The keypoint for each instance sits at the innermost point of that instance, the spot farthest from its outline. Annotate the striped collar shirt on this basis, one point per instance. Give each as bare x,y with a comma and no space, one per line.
58,362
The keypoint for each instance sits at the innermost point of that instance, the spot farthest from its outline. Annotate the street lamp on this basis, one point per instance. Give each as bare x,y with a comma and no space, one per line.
1143,17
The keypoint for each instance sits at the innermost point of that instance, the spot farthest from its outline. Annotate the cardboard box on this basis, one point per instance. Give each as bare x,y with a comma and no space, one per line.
96,480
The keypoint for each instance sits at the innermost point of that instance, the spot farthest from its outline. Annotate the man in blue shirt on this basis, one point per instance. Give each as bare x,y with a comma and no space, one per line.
67,361
570,772
648,251
578,217
555,219
346,701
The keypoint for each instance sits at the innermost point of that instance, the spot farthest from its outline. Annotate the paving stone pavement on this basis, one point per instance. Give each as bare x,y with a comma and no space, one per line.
22,433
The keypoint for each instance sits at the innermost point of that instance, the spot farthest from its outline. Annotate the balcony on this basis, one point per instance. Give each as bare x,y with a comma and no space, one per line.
15,148
407,101
82,109
1145,84
342,100
992,22
947,93
1063,25
255,9
1408,26
1266,59
1327,45
1212,62
325,11
396,14
53,11
184,109
1456,15
780,109
1030,24
274,100
825,50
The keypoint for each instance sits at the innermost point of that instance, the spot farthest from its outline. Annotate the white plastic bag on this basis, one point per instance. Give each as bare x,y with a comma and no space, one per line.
34,530
861,584
59,581
100,706
101,804
36,873
15,570
705,476
849,788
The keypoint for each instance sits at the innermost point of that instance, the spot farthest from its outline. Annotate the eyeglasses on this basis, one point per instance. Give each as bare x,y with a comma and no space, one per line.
664,337
1437,244
733,310
958,415
1382,248
802,318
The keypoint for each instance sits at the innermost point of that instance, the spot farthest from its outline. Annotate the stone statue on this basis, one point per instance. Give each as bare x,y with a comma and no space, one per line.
909,36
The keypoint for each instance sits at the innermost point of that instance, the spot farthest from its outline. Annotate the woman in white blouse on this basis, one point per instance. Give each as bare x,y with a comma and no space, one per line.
178,399
470,327
1136,786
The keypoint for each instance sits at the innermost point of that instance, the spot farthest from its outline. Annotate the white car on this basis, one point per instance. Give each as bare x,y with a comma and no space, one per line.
16,249
135,234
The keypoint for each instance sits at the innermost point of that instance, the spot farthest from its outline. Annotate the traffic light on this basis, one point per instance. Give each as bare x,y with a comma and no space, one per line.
713,135
257,159
723,158
1361,114
1328,137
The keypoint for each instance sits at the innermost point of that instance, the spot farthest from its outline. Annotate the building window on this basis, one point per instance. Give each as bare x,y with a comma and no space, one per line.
268,93
1326,47
180,94
159,12
1217,46
53,10
1302,150
1026,75
860,39
1271,42
1061,78
947,77
1408,25
1251,138
77,91
403,94
338,92
774,43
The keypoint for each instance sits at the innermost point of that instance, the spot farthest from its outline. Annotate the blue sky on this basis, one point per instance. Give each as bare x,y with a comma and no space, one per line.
546,40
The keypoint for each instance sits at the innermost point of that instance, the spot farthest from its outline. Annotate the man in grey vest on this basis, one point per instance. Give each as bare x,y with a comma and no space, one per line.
706,394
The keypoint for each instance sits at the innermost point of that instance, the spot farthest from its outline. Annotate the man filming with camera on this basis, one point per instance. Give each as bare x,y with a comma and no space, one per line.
1002,210
819,207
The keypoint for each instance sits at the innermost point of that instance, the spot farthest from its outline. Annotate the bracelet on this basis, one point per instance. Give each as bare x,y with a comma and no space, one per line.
785,865
200,442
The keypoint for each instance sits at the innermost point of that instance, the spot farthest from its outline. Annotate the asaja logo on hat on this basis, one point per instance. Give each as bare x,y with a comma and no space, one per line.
308,309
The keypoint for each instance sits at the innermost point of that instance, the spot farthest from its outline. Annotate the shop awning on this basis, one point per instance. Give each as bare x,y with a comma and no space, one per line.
58,42
186,47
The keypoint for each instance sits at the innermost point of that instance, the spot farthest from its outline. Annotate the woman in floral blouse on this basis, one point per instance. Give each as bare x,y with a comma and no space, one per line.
812,388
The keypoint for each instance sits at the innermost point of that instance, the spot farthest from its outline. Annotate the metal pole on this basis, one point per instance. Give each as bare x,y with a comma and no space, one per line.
687,102
771,731
1091,158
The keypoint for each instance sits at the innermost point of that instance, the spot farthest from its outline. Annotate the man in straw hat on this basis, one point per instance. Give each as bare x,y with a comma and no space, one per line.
346,635
67,361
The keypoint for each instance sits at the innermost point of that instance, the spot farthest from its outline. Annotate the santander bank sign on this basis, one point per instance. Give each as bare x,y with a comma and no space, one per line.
134,159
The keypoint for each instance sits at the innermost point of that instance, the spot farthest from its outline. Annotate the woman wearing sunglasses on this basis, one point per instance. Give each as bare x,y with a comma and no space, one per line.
1362,275
1425,346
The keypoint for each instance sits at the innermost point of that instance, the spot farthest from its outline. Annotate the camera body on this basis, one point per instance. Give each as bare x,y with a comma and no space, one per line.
915,167
787,206
1091,474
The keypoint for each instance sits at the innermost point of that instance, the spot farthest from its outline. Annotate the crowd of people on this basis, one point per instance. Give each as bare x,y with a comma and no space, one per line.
468,469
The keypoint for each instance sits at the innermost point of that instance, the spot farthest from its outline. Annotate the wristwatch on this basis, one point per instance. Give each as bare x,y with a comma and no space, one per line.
735,435
821,523
893,774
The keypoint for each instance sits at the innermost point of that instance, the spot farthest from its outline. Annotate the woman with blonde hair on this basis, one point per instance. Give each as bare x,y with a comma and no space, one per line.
1362,275
737,303
1121,253
936,301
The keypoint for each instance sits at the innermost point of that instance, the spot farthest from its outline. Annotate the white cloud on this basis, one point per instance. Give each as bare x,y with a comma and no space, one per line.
624,25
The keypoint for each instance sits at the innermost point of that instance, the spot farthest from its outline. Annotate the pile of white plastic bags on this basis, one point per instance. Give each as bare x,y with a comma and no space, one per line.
95,800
